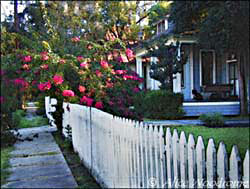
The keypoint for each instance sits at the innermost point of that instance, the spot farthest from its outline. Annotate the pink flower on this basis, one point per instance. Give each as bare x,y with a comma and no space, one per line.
109,85
84,65
104,64
27,58
68,93
125,77
130,54
43,53
62,61
98,73
34,82
75,39
111,103
79,58
120,72
44,86
26,67
44,66
58,79
82,88
136,89
21,82
86,100
99,105
122,59
44,57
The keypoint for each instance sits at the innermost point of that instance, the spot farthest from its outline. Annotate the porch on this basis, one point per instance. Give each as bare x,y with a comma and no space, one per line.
193,108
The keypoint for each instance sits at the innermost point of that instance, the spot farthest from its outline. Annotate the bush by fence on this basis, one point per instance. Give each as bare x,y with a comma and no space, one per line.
159,104
125,153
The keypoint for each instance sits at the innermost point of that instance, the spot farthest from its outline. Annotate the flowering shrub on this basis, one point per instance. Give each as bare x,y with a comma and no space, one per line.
99,78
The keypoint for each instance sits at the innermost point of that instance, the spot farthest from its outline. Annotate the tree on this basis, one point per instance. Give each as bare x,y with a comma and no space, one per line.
168,62
221,25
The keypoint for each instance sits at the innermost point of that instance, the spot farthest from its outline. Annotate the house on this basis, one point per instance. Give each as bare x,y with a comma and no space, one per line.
205,71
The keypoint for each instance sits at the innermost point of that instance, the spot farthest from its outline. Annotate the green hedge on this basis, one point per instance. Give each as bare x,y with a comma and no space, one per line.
212,119
159,104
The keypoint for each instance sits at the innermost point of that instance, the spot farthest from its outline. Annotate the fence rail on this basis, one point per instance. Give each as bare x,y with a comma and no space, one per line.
126,153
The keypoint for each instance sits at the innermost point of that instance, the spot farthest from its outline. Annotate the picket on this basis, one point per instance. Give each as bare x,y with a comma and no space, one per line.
222,166
246,178
169,158
200,158
235,173
191,162
162,157
146,155
183,161
211,164
176,159
123,153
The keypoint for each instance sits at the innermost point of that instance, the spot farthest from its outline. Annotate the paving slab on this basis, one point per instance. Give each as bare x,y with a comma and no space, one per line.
44,182
37,160
31,172
38,163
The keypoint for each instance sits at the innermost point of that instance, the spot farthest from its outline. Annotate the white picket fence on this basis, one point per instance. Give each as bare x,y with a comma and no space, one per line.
49,108
122,153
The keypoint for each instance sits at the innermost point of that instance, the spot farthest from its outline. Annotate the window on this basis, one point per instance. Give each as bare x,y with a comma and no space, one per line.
233,76
161,27
207,66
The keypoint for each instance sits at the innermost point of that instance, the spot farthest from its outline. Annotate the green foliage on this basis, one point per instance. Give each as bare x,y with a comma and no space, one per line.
212,119
168,62
159,104
20,121
17,117
35,122
5,156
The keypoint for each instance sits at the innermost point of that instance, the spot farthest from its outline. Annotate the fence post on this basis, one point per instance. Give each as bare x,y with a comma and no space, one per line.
162,158
246,170
137,139
235,168
145,131
176,158
222,166
183,160
169,158
156,155
191,162
211,164
142,155
151,156
200,157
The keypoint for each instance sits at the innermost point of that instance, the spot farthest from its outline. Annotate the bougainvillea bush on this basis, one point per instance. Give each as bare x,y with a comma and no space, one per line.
100,78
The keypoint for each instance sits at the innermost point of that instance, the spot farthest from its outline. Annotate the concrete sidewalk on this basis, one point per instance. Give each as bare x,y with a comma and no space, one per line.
37,162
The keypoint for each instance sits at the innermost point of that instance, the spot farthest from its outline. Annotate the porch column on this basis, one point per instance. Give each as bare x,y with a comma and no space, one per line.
154,83
177,76
139,68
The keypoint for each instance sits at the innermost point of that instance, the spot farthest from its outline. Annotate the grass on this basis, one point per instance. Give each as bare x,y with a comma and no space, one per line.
5,155
35,122
80,173
230,136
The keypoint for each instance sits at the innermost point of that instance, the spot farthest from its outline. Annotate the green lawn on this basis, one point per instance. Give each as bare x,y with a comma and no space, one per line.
36,122
5,155
230,136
